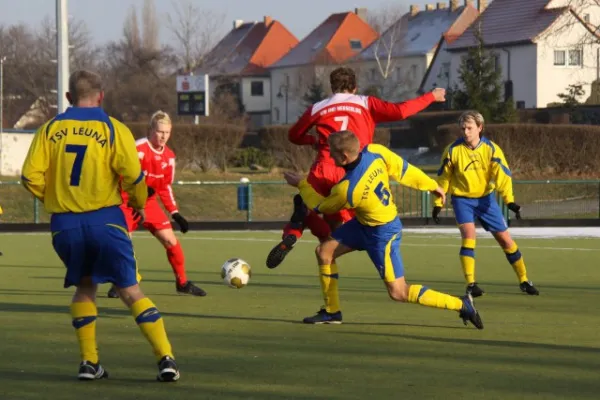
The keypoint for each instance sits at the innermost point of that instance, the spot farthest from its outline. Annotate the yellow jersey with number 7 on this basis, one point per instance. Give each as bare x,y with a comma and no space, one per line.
76,160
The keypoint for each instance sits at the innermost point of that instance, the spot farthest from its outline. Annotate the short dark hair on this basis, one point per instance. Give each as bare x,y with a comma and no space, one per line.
83,84
342,79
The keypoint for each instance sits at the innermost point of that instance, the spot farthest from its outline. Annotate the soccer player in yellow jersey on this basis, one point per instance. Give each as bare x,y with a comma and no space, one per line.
375,228
472,168
73,166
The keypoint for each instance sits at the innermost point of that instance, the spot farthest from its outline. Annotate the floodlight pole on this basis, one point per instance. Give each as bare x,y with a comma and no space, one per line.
62,54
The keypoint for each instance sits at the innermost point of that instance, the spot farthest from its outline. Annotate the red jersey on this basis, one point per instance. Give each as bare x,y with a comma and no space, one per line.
159,169
347,111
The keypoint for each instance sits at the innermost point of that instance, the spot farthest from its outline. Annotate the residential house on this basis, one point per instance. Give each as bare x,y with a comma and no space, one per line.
538,47
438,72
240,61
395,64
337,39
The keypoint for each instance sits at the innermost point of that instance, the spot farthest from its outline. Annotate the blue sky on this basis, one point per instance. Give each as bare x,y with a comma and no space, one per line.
104,18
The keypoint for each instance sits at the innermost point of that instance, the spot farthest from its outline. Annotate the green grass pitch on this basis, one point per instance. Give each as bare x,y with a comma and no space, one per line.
250,344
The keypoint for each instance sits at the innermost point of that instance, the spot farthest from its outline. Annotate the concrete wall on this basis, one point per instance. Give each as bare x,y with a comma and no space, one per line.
14,146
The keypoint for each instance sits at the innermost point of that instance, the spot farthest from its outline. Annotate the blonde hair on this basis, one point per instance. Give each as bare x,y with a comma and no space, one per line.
344,142
84,84
159,116
472,115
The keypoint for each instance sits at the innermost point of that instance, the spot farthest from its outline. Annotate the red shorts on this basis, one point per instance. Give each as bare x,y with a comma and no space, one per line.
156,219
323,177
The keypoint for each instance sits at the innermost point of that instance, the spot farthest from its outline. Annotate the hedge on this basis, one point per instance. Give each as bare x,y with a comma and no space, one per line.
200,146
534,150
274,139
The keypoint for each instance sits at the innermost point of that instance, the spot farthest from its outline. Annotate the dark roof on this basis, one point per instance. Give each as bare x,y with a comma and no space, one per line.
414,35
510,21
330,41
241,51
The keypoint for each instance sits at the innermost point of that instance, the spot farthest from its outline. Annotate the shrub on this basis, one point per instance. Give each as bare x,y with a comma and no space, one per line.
200,146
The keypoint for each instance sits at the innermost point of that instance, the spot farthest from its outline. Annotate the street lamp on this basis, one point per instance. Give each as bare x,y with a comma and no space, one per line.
2,59
280,95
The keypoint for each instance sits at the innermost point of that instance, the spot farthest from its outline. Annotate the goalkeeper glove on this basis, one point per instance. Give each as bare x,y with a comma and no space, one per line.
182,222
514,207
435,214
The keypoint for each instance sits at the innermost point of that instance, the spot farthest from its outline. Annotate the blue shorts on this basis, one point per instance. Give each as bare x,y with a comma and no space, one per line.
95,244
382,244
485,209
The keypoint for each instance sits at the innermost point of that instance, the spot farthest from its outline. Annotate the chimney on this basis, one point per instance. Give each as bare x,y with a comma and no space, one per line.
454,5
237,23
268,21
429,7
441,6
414,10
362,13
482,6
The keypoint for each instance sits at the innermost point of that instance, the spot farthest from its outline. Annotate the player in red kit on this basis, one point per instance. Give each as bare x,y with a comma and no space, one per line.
344,110
158,165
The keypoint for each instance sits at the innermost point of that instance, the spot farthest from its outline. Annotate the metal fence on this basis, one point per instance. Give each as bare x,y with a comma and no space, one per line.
271,201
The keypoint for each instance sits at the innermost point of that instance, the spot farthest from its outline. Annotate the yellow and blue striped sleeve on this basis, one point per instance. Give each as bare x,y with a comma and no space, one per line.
502,175
336,200
37,162
444,175
401,171
126,163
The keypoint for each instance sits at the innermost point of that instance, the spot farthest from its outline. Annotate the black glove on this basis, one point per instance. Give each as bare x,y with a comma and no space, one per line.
514,207
150,191
183,224
435,214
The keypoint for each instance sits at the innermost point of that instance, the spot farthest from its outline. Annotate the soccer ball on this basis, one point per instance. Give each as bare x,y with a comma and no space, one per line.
236,273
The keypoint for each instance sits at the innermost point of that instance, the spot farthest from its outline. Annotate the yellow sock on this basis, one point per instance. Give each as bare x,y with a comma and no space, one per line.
152,326
467,259
84,321
514,257
420,294
329,275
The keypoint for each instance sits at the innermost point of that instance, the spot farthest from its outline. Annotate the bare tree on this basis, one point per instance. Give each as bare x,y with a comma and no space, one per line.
139,71
384,79
391,27
30,69
582,12
196,31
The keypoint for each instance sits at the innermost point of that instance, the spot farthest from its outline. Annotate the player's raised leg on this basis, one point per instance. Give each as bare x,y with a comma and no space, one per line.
327,254
176,259
515,258
387,255
149,320
492,220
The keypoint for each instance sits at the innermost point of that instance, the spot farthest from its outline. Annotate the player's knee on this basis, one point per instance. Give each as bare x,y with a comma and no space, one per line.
324,255
398,296
398,293
131,294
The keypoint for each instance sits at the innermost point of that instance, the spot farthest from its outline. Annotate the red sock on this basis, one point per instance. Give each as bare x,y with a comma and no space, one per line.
177,261
293,229
317,225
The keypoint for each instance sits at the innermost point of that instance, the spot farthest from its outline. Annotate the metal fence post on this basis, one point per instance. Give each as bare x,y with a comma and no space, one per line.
425,197
249,211
36,210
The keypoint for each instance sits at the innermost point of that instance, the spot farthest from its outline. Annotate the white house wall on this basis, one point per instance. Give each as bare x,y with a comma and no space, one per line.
297,82
14,148
552,79
256,103
523,60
